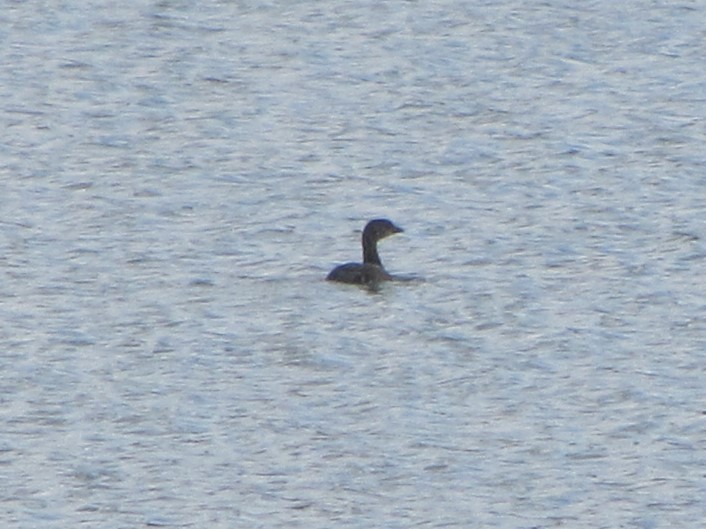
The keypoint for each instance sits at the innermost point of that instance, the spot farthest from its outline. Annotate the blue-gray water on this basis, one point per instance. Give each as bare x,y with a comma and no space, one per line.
179,177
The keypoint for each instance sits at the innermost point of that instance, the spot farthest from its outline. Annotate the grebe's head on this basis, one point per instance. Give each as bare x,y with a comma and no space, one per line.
380,228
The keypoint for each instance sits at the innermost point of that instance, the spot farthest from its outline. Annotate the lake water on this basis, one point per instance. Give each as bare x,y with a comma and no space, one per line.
179,177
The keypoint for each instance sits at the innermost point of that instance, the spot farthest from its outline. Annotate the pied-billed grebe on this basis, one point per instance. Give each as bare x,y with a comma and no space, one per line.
370,271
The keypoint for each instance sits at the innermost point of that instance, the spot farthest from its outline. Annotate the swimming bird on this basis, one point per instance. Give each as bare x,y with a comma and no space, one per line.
370,271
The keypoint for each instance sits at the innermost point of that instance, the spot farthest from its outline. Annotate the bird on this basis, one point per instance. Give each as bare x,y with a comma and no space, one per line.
370,271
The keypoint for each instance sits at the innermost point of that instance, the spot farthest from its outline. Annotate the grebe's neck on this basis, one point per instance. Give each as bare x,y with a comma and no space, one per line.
370,250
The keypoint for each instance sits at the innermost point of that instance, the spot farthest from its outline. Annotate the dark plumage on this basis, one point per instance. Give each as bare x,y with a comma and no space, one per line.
370,271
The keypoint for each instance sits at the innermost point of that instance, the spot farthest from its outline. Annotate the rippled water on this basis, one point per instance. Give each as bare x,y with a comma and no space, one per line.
179,177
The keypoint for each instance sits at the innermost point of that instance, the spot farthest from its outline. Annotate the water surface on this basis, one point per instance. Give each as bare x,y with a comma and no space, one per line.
178,180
